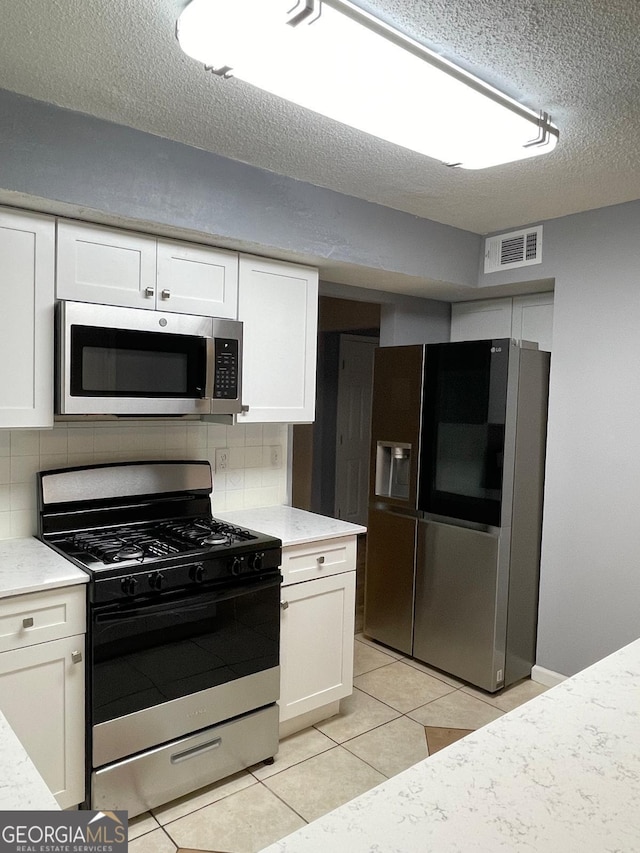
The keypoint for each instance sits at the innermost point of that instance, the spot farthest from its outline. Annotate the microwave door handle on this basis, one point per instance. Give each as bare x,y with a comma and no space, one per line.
211,368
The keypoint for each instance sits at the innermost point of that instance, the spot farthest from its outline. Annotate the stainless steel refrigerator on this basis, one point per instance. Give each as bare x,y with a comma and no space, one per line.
455,513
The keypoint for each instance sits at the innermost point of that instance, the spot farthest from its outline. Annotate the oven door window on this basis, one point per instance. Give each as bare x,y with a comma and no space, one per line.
125,363
147,654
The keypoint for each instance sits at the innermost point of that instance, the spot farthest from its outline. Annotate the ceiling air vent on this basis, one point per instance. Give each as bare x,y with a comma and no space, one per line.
516,249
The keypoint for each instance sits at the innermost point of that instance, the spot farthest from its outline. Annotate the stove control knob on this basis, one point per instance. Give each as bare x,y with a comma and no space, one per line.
236,565
155,580
197,573
256,561
129,585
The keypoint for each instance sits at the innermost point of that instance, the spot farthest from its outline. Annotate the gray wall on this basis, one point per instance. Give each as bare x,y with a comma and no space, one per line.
590,576
403,319
407,323
103,171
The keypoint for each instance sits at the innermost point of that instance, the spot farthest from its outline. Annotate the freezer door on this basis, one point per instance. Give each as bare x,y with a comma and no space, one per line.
389,579
461,603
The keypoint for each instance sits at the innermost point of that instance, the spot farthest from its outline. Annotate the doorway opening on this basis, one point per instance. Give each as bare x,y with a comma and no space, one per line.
331,457
348,332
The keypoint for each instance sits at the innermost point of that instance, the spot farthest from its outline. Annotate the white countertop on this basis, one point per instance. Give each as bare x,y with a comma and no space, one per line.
292,526
27,565
560,773
21,786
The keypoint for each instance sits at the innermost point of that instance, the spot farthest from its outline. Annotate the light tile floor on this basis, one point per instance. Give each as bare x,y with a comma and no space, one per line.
400,711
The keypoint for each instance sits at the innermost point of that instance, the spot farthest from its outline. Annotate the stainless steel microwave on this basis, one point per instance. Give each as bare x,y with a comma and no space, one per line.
128,362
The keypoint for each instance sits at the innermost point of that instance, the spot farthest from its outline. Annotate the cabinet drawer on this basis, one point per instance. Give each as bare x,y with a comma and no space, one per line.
38,617
318,559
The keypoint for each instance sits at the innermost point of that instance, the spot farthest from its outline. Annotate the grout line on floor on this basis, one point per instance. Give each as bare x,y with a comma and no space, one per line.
302,760
175,843
147,831
371,696
206,805
376,668
421,704
277,796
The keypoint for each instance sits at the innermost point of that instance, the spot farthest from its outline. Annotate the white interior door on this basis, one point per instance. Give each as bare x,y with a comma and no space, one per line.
353,427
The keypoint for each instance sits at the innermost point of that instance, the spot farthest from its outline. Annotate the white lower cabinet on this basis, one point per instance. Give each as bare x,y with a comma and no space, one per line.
42,688
316,646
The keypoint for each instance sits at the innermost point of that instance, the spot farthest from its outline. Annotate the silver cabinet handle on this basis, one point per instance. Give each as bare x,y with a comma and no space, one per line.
149,292
284,605
76,657
194,751
28,622
320,560
165,294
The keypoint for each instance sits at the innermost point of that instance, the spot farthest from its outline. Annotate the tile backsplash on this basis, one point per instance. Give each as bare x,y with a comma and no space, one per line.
251,479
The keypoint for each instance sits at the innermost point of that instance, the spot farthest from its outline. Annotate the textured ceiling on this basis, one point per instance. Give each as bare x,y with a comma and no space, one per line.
577,59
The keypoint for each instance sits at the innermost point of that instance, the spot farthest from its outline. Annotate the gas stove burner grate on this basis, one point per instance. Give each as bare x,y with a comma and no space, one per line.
206,531
161,539
125,544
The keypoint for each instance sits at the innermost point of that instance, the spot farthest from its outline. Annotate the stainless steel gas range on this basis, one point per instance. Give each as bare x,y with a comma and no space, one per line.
183,629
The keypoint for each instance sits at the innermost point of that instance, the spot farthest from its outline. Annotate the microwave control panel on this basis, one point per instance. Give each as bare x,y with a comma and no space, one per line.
225,377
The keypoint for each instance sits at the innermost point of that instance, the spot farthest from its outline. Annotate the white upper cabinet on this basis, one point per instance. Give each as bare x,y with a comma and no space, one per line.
479,321
27,250
195,279
525,318
533,319
105,265
113,267
278,304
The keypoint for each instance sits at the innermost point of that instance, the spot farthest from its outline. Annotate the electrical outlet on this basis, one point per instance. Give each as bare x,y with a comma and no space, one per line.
222,459
276,456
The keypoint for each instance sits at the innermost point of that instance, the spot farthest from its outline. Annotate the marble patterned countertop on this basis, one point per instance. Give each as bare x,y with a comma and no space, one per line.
560,773
21,786
292,526
27,565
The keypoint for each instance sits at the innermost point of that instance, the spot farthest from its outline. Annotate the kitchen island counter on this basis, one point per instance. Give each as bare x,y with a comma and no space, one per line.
560,773
28,565
293,526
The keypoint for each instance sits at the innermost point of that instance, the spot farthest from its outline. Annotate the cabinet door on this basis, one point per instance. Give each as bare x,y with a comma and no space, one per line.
480,321
105,265
42,697
197,280
26,319
316,645
533,319
278,304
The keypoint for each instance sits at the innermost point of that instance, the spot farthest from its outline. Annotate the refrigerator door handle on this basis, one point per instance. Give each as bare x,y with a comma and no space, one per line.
405,512
458,522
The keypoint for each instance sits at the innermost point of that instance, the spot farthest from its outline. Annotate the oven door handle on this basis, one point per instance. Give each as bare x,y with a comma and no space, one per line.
195,751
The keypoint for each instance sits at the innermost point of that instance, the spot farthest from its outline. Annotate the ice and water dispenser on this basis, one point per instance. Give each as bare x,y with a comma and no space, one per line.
393,466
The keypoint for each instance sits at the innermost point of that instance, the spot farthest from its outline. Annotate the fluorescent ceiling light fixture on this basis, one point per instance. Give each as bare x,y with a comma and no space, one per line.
338,60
